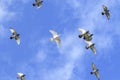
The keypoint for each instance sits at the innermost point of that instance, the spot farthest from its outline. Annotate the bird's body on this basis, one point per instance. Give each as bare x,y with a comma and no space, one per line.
91,46
85,34
56,37
21,76
106,12
95,71
38,3
15,35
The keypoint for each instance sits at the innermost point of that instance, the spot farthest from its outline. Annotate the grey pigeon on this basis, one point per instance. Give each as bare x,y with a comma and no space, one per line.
85,34
106,12
56,37
21,76
91,46
95,71
38,3
15,35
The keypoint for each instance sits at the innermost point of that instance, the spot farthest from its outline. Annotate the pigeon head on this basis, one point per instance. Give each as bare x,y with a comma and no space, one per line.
91,72
33,4
102,13
80,36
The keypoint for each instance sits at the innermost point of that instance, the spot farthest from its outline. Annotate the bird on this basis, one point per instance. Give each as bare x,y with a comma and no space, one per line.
106,12
21,76
56,37
38,3
15,35
85,34
91,46
95,71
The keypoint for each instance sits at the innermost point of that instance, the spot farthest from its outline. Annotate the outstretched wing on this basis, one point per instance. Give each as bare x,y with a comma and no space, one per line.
82,30
17,40
22,78
58,41
53,32
93,49
104,7
108,15
97,75
20,74
94,66
13,31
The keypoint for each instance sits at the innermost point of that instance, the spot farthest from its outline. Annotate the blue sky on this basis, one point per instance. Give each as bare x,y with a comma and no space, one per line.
40,59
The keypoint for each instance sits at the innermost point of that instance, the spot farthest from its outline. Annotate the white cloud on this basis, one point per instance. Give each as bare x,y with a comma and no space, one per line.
63,73
5,13
41,56
3,32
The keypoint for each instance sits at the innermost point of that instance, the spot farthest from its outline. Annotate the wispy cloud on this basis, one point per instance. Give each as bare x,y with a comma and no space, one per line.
2,31
70,52
59,64
90,18
5,13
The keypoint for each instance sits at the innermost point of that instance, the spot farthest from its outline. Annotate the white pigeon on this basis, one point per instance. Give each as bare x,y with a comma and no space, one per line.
85,34
56,37
21,76
15,35
91,46
95,71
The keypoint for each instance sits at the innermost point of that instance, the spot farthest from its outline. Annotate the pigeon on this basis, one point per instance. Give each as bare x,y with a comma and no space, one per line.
91,46
106,12
56,37
95,71
21,76
85,34
15,35
38,3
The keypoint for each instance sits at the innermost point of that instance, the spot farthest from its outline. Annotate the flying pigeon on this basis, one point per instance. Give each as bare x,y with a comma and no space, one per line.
56,37
95,71
38,3
15,35
91,46
106,12
85,34
21,76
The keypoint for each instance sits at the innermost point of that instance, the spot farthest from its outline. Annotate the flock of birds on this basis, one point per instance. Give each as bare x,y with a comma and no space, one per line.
87,36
